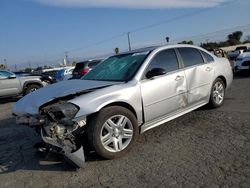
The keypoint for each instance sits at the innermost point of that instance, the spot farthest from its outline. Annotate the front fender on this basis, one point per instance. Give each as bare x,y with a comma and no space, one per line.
126,93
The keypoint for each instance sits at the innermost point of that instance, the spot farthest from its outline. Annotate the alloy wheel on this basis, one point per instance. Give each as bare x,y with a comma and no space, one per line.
116,133
218,93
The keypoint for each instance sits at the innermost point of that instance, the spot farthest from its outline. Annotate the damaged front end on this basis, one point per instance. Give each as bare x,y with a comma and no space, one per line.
60,129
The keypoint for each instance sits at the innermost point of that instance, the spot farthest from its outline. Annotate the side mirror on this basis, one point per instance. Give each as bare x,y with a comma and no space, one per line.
155,72
12,76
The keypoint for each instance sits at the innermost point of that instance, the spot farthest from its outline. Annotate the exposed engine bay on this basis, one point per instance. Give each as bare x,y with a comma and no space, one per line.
58,129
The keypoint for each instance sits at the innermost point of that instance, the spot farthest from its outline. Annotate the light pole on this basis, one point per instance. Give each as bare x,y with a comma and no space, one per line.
5,63
129,43
65,59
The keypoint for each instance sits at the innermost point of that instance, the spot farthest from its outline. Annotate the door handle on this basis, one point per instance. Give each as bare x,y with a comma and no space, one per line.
178,78
208,69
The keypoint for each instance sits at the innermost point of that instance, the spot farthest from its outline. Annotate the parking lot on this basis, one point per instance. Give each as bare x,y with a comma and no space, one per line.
205,148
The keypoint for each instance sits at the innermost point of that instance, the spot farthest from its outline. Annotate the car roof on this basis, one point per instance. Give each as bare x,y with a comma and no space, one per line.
139,50
89,61
152,48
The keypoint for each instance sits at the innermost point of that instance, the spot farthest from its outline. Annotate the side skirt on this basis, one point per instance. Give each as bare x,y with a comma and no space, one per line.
155,123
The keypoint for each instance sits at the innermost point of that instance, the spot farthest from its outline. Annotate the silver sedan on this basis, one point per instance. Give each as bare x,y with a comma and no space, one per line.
124,96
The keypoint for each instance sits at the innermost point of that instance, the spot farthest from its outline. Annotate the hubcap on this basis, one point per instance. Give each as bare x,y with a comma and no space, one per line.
116,133
32,90
218,92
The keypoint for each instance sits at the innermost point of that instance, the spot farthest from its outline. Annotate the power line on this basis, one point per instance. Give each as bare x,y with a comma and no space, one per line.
98,43
215,33
179,17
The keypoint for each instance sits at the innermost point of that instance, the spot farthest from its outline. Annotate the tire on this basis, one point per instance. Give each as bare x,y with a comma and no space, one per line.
217,93
107,138
31,88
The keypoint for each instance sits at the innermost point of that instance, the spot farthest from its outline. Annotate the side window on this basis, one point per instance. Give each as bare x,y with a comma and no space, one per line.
4,74
166,60
208,57
190,56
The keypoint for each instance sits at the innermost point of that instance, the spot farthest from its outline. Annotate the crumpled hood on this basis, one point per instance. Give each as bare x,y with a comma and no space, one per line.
30,103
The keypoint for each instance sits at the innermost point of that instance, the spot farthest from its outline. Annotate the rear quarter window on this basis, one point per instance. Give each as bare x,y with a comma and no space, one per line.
190,56
208,58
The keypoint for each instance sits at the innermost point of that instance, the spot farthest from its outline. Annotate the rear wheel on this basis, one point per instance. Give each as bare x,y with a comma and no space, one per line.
31,88
217,93
113,131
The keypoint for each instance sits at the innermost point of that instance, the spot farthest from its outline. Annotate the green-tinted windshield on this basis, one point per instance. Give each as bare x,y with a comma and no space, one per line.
117,68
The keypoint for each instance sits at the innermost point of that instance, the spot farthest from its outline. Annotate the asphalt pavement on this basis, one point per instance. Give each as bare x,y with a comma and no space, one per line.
205,148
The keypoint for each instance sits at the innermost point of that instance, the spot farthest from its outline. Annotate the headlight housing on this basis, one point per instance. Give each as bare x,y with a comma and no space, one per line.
64,111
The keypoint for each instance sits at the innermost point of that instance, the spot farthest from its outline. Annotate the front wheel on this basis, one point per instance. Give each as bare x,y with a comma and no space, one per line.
217,93
31,88
113,131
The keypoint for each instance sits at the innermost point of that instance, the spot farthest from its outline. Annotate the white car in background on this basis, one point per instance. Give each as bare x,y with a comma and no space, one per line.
242,62
232,55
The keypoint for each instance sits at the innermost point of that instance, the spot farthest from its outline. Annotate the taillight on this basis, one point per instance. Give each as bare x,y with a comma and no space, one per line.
85,71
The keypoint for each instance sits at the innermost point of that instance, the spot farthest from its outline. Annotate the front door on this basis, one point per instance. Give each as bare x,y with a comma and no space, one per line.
163,95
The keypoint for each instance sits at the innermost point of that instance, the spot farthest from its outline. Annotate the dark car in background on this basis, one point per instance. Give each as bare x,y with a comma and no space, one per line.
83,68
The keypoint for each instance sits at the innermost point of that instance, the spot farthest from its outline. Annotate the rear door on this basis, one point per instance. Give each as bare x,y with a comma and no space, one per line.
9,86
163,95
199,74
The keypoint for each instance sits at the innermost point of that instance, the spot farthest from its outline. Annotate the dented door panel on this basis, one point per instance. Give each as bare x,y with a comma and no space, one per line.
163,95
199,81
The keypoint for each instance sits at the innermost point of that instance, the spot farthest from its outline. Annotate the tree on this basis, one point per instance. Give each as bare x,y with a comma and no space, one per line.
2,66
247,39
237,35
74,63
210,45
186,42
234,38
29,70
47,67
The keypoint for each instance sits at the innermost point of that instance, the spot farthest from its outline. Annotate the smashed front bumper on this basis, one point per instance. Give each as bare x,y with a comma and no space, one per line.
77,157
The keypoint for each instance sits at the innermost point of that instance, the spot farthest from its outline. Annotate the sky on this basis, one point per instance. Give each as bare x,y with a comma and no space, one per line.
38,32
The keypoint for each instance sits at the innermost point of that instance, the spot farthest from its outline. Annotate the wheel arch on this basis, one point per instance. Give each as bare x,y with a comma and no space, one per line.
26,84
223,79
122,104
118,103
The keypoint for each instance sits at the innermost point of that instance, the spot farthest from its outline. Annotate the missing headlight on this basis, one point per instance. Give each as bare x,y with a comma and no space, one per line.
61,111
69,110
